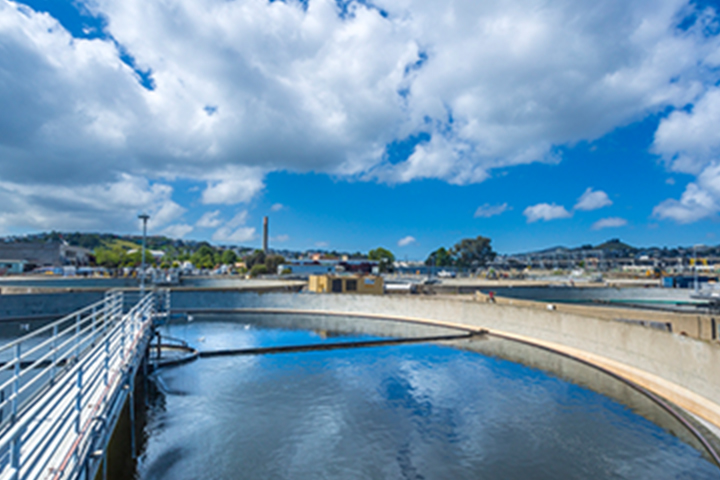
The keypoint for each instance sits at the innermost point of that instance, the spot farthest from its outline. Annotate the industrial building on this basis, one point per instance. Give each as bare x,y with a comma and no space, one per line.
10,267
363,284
51,254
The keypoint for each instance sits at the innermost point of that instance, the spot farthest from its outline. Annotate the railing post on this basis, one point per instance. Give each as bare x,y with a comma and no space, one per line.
54,351
106,367
16,383
93,320
122,341
78,401
77,336
15,455
131,384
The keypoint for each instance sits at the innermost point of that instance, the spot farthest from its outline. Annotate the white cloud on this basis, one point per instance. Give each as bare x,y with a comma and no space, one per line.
209,220
277,207
281,238
405,241
322,244
689,143
235,230
487,210
611,222
701,199
178,230
546,212
248,87
110,205
592,200
233,185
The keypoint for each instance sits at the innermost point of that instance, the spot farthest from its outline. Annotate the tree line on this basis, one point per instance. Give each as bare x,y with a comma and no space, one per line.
470,253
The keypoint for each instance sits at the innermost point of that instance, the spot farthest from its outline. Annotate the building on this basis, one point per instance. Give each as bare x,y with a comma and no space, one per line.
320,267
362,284
11,267
51,254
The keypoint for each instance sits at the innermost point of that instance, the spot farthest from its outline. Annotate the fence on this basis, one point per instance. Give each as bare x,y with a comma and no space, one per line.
62,386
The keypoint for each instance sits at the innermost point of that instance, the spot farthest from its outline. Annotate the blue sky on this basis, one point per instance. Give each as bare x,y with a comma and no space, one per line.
406,124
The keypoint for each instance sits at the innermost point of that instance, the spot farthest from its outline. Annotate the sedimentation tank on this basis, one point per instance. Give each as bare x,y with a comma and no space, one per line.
632,365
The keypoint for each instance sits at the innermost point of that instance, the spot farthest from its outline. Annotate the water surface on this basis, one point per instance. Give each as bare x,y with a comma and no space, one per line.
400,412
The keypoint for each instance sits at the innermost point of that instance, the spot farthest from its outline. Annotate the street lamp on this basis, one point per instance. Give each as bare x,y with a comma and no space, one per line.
144,217
695,268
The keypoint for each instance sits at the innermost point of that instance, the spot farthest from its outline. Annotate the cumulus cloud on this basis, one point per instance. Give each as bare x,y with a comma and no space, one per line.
592,200
405,241
701,199
233,185
277,207
209,220
235,230
689,143
282,238
546,212
178,230
611,222
248,87
112,205
688,140
487,210
322,244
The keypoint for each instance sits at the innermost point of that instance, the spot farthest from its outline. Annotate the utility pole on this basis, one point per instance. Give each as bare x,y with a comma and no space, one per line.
265,235
695,269
144,217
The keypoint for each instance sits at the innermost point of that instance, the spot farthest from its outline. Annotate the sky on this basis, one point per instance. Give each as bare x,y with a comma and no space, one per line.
407,124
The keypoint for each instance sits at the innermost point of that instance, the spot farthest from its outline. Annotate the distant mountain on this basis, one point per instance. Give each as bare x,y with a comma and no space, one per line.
615,244
617,248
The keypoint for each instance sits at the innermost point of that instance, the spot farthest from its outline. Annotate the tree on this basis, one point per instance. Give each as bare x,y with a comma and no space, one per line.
439,258
473,252
204,257
272,262
109,258
383,256
228,257
132,259
255,258
258,269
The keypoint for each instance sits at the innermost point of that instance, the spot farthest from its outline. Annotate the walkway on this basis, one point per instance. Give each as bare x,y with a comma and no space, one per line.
62,387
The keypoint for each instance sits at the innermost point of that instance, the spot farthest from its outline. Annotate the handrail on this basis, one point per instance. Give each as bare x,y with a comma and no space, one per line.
49,326
72,340
59,385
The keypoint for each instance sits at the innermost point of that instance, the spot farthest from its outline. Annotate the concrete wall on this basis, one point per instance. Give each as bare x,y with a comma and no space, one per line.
684,370
44,305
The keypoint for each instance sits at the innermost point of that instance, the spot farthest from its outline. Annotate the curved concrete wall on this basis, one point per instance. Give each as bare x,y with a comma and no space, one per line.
683,370
22,307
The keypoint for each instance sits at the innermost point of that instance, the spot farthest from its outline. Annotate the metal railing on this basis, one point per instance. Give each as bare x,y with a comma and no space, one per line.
63,385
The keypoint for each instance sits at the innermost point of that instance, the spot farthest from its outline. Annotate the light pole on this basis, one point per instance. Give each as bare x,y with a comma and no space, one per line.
144,217
695,268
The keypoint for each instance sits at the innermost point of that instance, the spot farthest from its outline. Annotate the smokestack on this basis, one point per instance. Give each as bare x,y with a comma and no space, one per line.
265,235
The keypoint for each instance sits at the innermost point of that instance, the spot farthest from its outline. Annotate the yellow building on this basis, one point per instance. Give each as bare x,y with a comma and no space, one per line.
367,284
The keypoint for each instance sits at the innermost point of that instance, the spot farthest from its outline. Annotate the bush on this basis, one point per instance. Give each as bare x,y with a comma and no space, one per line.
258,269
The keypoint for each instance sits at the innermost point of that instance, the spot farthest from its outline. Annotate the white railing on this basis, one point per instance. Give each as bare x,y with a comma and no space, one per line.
63,385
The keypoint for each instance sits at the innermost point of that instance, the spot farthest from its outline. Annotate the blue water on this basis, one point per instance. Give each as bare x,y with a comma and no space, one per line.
399,412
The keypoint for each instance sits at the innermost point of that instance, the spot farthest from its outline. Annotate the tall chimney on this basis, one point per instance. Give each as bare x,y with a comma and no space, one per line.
265,235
